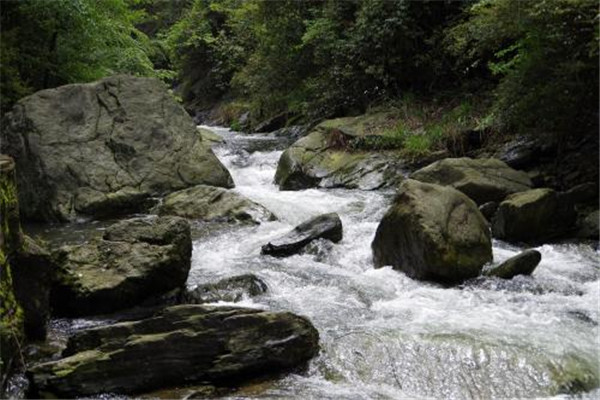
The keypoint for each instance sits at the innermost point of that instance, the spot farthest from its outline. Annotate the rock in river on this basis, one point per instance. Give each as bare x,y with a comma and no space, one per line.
483,180
323,158
178,345
326,226
214,203
523,263
433,233
104,148
135,260
534,216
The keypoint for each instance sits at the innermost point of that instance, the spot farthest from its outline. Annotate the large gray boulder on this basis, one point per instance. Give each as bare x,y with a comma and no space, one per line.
177,346
483,180
104,148
433,233
134,260
326,226
534,216
214,203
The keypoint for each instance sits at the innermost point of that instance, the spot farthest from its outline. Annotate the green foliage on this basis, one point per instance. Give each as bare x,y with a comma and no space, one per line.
544,55
49,43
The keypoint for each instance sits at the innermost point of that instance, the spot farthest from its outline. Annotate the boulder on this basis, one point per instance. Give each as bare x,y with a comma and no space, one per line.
523,263
323,159
588,225
209,136
585,193
104,148
229,289
533,216
214,203
134,260
433,233
177,346
483,180
326,226
489,210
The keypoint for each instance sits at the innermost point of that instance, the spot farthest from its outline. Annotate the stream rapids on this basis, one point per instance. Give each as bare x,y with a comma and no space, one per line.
384,335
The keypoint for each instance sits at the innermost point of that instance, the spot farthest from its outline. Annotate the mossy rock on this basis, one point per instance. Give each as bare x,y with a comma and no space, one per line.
321,159
534,216
179,345
433,233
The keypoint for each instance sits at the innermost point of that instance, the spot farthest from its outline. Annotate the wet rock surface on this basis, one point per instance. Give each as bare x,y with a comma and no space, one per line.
178,345
534,216
433,233
134,260
214,203
523,263
327,226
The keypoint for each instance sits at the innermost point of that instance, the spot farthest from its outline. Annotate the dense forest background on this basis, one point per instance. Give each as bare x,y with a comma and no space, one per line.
507,65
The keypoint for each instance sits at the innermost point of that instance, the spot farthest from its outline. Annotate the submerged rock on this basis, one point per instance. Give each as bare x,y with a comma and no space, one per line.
322,159
326,226
134,260
523,263
229,289
433,233
177,346
213,203
483,180
533,216
104,148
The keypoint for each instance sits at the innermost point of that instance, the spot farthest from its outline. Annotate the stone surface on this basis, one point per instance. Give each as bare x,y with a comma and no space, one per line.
326,226
213,203
523,263
433,233
320,159
231,290
489,210
209,136
134,260
33,276
588,225
483,180
534,216
585,193
104,148
177,346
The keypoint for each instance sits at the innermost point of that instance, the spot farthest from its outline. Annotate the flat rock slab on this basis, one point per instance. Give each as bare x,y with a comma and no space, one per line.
326,226
523,263
178,345
214,203
104,148
483,180
134,260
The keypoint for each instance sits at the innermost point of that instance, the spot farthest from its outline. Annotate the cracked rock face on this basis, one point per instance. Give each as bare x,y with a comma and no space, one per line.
104,148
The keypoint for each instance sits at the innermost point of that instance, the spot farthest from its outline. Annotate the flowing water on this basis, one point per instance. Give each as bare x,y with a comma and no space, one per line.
385,336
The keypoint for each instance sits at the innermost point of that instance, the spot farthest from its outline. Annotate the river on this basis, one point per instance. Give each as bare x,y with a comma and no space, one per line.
384,335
